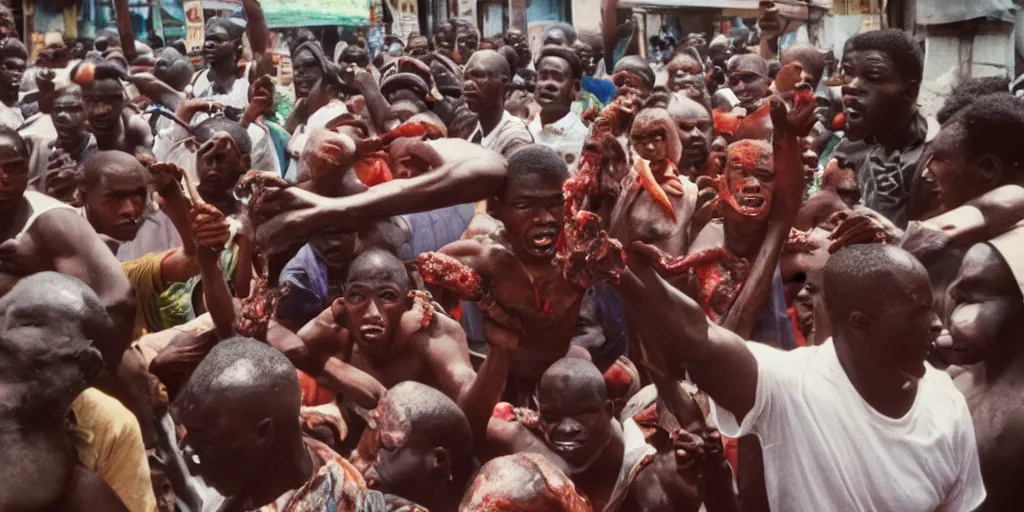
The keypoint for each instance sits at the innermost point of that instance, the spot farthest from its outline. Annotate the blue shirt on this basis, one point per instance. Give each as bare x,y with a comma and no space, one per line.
603,88
775,327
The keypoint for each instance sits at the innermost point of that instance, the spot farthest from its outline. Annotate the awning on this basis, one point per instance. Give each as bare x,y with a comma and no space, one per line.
315,13
711,4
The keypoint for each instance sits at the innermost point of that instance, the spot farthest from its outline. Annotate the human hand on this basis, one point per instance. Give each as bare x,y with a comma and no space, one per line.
45,84
261,99
188,108
855,228
797,121
166,178
210,228
284,218
63,177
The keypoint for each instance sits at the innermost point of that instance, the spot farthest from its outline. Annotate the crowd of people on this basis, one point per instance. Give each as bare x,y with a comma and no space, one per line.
461,276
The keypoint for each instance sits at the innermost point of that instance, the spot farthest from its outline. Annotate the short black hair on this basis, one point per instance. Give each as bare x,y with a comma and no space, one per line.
19,142
234,30
510,55
11,47
897,44
968,91
304,35
569,30
204,131
562,52
378,263
865,278
98,163
989,125
254,367
435,420
536,160
354,54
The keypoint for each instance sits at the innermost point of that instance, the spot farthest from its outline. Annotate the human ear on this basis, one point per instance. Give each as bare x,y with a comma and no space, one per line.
265,432
858,320
990,169
90,362
440,461
247,162
913,87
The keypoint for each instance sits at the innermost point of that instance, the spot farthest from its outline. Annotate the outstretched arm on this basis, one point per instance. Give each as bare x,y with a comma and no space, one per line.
467,173
717,359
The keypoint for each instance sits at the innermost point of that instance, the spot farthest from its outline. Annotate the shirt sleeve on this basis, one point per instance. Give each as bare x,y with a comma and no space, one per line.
968,492
264,158
774,368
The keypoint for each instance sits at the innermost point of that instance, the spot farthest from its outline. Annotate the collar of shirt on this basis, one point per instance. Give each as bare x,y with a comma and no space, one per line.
560,127
486,140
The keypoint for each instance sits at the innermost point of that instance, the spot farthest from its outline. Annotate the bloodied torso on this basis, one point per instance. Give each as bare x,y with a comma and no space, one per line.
639,217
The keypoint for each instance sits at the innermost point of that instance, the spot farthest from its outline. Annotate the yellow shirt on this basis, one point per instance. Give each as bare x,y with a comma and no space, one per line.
144,275
109,442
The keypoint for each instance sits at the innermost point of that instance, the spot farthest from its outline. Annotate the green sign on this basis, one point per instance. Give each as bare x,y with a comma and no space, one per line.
312,13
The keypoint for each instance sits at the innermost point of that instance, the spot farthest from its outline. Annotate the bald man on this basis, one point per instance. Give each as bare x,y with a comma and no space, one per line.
48,322
240,412
906,418
426,449
485,82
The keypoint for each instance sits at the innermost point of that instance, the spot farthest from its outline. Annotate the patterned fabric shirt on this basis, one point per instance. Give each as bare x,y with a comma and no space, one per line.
336,486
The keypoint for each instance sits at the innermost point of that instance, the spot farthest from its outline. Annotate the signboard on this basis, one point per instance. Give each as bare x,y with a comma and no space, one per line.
194,26
405,16
316,13
467,10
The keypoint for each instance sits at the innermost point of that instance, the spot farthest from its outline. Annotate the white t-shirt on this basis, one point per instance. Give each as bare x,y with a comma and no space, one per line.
825,448
566,136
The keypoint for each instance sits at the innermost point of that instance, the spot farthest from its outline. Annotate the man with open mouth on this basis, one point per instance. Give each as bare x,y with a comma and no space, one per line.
558,81
881,73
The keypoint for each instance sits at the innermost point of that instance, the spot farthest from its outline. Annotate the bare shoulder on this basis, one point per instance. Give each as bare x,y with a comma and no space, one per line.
87,492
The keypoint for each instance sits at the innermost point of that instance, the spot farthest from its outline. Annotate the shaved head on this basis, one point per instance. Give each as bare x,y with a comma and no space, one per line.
100,164
524,482
378,265
493,61
67,299
868,278
572,377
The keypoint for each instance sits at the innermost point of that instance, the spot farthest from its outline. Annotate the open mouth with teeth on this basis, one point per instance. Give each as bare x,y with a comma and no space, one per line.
750,204
567,447
371,332
543,242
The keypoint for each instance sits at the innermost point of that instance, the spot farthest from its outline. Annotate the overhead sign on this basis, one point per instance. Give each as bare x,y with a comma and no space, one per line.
194,23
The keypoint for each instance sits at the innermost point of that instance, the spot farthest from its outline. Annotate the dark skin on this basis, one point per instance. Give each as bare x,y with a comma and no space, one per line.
48,360
984,326
580,436
306,71
467,41
587,56
696,131
878,101
485,83
115,127
684,74
517,40
10,77
749,87
556,89
221,53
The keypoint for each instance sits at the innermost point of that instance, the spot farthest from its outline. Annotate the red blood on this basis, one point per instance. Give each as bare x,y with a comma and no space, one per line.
617,380
803,97
839,121
747,155
726,123
504,411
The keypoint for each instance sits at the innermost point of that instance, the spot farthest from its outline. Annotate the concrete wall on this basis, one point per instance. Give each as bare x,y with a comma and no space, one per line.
959,51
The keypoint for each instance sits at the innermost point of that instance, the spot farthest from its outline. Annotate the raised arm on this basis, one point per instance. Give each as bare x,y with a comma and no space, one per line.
468,173
743,315
376,104
717,359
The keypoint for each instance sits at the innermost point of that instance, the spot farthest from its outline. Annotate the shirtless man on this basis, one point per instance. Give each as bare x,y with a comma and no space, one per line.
115,127
611,463
984,328
696,132
54,161
425,451
41,233
511,482
49,357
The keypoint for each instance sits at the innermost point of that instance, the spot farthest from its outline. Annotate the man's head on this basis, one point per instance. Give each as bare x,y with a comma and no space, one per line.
559,33
172,68
418,46
879,302
969,90
444,39
485,81
558,79
686,74
68,114
355,55
223,156
517,40
50,325
531,203
523,482
467,38
307,69
810,59
575,413
425,443
223,44
985,315
748,79
882,75
114,190
972,153
103,94
240,411
720,50
748,184
14,157
695,129
376,297
14,58
587,57
697,41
